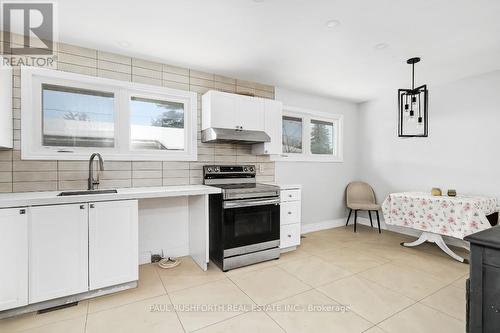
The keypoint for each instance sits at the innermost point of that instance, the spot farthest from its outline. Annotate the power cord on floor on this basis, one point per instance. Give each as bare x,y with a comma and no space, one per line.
169,263
165,263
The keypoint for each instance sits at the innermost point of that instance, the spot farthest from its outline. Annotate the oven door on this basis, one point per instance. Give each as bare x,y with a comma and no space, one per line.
250,222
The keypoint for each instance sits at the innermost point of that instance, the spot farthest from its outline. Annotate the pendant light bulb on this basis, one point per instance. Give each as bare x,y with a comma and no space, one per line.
420,122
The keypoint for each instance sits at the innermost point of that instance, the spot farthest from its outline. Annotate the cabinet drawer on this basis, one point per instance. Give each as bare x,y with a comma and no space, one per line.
290,212
290,195
289,235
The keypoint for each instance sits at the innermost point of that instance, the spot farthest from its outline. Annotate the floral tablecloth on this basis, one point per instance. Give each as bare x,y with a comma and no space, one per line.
450,216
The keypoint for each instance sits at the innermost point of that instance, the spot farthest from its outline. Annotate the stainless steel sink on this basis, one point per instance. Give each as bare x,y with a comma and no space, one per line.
87,192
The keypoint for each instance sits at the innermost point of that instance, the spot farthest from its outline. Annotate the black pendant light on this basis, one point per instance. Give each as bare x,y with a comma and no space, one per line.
412,104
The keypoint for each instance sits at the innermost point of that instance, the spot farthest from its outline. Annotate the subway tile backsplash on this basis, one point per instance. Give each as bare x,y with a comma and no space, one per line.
18,175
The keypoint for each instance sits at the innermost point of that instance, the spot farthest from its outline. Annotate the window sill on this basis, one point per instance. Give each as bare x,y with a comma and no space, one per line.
84,156
306,158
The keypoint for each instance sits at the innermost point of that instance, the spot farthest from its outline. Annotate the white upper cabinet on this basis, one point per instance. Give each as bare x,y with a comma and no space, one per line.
232,111
219,110
6,140
250,112
13,258
273,112
58,251
113,243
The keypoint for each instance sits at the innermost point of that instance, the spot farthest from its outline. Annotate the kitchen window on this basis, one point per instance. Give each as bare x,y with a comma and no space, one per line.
69,116
311,136
77,117
292,135
322,137
156,124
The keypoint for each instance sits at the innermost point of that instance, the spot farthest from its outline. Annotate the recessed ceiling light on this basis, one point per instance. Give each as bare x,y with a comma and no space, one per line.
381,46
124,43
332,23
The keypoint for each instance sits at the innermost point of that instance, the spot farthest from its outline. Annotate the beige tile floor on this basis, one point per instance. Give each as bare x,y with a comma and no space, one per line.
337,281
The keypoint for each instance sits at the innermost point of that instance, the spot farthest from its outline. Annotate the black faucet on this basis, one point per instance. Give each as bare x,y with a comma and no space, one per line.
93,182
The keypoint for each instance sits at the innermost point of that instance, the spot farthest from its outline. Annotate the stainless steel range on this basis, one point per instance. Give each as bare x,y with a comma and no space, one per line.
244,218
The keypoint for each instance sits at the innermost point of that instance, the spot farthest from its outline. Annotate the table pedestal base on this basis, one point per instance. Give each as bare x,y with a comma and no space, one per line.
435,238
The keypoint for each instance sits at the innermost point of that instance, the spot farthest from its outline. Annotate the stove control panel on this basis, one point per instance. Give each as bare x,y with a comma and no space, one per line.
229,171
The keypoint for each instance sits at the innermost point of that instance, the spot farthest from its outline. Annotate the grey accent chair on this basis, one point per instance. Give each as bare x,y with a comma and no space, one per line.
360,196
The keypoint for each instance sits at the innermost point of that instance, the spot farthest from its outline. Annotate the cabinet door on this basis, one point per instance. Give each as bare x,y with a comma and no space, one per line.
491,298
58,251
222,110
273,113
113,243
13,258
251,113
289,235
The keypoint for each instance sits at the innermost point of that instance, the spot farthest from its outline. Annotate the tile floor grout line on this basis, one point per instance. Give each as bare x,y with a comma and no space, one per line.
340,303
168,295
223,320
259,304
195,285
417,302
395,313
124,304
86,318
396,291
444,313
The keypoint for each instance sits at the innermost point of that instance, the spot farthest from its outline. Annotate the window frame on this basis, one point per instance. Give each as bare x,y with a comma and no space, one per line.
297,116
32,117
307,156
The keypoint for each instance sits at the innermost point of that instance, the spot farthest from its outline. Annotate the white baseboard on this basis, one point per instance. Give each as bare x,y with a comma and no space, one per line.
329,224
323,225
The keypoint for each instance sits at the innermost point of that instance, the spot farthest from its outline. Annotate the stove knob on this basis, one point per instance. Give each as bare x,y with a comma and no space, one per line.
209,169
245,169
252,169
216,169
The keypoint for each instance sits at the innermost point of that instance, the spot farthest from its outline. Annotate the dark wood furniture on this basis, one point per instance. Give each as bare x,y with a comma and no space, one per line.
493,219
483,288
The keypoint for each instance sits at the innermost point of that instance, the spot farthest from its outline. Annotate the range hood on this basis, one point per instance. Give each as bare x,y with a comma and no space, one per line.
233,135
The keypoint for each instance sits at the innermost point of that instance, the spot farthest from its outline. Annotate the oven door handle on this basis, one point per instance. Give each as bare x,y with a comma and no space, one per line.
250,203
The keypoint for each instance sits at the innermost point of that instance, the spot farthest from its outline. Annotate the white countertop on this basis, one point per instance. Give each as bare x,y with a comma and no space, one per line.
51,198
286,186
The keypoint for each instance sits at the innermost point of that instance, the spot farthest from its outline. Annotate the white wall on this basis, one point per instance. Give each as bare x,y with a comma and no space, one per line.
323,184
461,152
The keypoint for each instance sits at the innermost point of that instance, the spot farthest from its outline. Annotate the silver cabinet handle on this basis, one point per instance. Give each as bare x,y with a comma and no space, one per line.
289,213
289,236
22,211
92,206
82,206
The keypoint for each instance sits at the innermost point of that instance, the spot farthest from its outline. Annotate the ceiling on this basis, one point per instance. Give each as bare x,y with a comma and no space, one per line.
287,43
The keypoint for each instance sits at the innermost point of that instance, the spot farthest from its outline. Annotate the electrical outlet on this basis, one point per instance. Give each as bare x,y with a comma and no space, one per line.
155,258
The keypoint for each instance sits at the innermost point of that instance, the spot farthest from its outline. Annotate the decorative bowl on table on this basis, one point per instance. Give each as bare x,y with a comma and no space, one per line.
436,191
452,193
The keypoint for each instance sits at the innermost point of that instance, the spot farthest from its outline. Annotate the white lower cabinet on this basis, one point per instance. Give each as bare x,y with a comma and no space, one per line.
58,251
289,235
113,243
290,217
13,258
75,248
